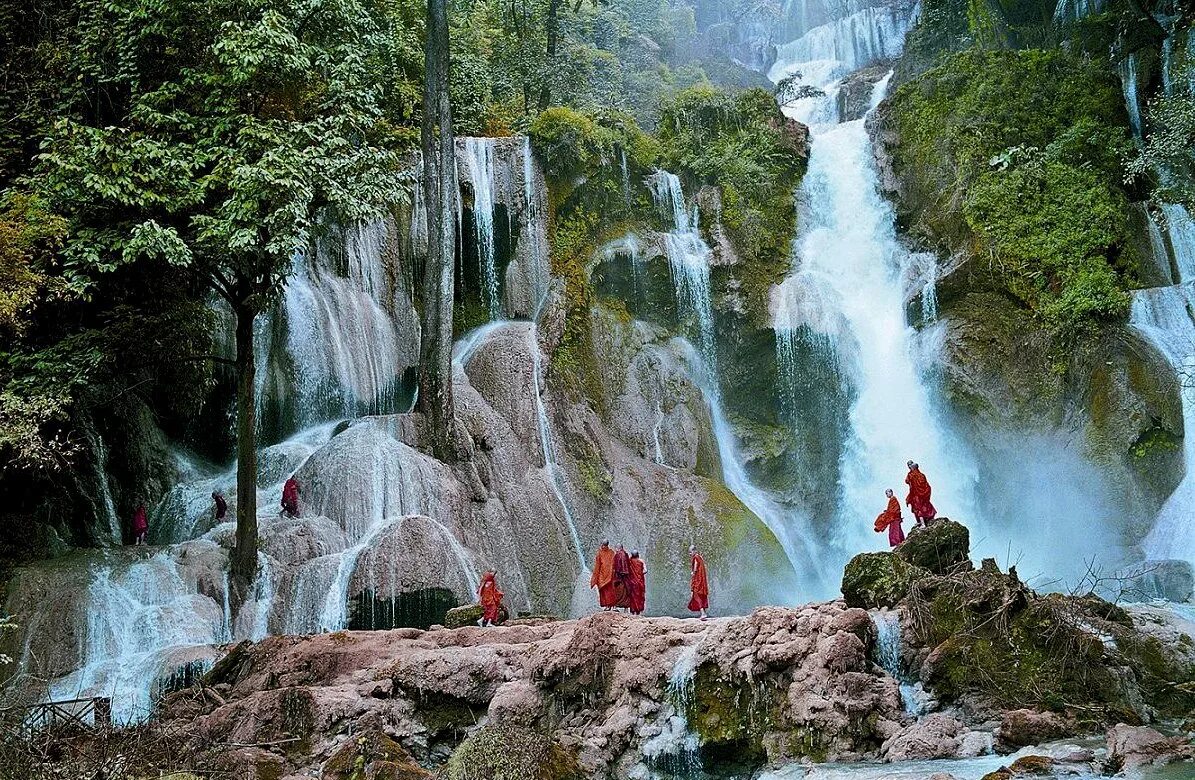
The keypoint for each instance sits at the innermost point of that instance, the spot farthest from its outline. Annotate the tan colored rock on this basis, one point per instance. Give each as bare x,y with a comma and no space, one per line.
1132,747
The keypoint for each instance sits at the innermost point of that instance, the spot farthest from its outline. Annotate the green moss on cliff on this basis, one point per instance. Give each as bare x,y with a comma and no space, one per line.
1015,157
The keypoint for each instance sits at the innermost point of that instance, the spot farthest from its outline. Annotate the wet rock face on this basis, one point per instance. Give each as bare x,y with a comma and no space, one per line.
573,698
874,580
940,548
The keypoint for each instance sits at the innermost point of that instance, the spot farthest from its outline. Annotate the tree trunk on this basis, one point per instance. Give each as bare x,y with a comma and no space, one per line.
439,190
244,555
552,25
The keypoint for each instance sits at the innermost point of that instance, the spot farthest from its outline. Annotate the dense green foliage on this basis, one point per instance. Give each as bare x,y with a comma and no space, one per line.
1018,154
755,156
1170,149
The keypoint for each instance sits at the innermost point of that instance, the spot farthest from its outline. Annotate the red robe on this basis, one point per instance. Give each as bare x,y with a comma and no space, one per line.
140,523
290,497
221,507
622,578
890,519
918,498
637,586
699,585
490,597
603,578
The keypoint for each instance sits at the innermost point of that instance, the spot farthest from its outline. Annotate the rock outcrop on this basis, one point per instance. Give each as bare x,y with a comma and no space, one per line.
605,696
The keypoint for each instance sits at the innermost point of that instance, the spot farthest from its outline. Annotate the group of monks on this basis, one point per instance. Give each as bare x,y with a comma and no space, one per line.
917,500
621,579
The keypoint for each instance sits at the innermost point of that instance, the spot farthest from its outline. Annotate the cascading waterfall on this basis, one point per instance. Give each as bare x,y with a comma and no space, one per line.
1128,78
688,261
674,750
847,287
479,157
1166,316
828,52
1180,232
889,651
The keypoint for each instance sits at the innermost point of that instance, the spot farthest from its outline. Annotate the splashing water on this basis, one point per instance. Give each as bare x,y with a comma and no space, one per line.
674,750
889,651
479,157
1166,316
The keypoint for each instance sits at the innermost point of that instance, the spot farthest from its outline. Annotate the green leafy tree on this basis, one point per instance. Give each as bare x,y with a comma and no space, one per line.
215,137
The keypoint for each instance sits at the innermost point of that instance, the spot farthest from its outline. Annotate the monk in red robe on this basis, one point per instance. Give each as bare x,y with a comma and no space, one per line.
918,498
890,519
290,497
638,583
603,577
490,598
699,584
140,525
622,578
220,506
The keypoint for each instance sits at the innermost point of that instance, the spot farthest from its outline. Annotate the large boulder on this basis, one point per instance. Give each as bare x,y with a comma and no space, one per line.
1131,747
507,753
941,548
1023,727
373,756
872,580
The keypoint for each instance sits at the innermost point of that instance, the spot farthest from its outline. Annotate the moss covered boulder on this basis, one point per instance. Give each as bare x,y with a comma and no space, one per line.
468,615
941,548
505,753
373,756
872,580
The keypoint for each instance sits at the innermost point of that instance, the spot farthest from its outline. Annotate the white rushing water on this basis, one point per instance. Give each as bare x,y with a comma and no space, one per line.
1165,315
688,261
479,157
889,651
848,287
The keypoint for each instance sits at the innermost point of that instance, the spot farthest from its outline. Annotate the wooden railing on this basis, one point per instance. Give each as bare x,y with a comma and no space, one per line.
82,713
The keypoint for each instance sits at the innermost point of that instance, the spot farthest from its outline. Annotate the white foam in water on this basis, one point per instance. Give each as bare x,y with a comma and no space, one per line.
479,157
889,650
1165,315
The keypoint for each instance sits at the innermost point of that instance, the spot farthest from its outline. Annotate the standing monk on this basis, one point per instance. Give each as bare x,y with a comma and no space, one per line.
918,498
140,525
490,598
603,576
638,583
622,577
221,506
890,519
699,584
290,497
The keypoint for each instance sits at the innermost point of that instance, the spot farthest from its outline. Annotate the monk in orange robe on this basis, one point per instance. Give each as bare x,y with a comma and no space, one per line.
918,498
490,598
603,577
699,584
622,578
890,519
638,583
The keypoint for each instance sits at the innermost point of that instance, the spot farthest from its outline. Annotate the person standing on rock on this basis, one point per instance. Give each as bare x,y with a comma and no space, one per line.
638,583
290,498
220,506
490,599
603,577
918,498
140,525
890,519
622,578
698,584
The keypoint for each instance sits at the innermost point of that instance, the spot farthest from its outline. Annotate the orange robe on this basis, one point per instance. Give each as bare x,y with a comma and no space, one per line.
890,519
603,578
622,578
490,598
638,586
918,498
699,585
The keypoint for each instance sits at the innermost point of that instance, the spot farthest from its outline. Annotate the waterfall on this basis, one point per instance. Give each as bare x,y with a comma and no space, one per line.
1074,10
832,50
1128,77
1180,233
688,262
1166,316
535,234
657,450
889,651
479,157
675,749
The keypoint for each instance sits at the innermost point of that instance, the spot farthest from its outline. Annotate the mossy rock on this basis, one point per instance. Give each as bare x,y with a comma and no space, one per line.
468,615
882,579
373,756
506,753
940,548
1032,765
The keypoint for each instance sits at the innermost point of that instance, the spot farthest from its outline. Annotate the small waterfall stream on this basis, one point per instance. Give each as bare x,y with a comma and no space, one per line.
674,750
889,651
479,156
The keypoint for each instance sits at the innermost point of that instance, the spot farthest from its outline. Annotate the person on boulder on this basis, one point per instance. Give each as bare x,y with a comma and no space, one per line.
638,583
290,498
603,577
490,599
622,578
918,498
220,506
140,525
699,584
890,519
